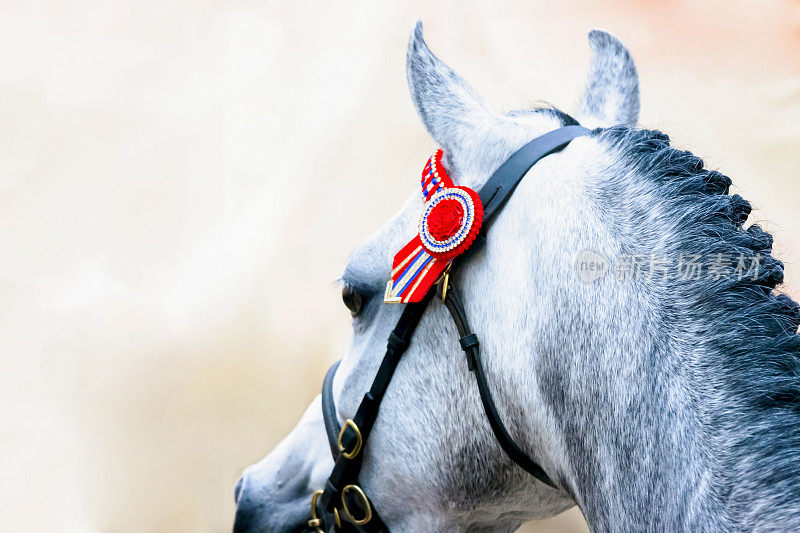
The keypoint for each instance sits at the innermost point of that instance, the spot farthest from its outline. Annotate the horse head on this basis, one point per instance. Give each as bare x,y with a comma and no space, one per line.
624,389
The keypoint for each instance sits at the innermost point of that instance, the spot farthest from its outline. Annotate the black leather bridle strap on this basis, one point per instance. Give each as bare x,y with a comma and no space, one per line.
505,179
399,340
332,427
469,343
346,469
346,443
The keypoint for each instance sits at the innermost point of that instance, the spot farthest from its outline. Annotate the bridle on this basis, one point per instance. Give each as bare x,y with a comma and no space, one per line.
342,505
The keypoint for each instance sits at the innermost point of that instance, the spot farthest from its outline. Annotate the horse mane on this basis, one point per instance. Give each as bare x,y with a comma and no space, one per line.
741,333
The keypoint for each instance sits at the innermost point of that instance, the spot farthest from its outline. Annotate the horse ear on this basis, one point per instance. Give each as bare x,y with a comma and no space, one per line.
450,109
612,92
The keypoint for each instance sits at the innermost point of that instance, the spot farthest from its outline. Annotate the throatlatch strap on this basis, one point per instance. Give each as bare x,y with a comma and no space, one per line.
471,348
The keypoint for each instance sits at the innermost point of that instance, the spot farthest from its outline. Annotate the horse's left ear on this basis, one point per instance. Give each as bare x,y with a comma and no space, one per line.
452,112
612,91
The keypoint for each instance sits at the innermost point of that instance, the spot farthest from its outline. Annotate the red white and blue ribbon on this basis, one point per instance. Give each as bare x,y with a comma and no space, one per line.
449,224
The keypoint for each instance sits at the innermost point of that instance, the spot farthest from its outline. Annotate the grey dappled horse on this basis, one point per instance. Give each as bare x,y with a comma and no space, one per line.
656,400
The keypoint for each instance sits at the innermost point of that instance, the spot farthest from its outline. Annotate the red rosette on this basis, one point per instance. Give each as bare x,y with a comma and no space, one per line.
448,226
450,222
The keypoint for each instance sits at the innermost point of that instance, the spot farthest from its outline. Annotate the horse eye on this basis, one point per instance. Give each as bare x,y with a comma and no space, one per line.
352,299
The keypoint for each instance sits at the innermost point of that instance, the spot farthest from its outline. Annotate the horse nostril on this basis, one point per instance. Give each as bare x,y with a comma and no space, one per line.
237,490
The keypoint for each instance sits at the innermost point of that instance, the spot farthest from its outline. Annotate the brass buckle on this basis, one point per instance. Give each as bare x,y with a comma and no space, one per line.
315,523
445,281
352,425
347,514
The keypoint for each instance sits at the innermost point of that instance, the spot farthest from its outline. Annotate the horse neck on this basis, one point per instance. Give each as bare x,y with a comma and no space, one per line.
647,447
676,402
651,445
639,385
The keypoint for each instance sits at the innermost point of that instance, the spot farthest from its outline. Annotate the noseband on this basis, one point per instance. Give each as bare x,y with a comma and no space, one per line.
342,505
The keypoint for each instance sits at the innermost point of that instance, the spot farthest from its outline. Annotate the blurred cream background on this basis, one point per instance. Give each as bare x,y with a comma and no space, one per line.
181,184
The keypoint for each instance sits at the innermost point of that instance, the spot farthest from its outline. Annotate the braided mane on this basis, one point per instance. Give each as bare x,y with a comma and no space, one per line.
742,335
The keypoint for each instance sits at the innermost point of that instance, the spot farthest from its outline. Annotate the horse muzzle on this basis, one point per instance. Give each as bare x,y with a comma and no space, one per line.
265,507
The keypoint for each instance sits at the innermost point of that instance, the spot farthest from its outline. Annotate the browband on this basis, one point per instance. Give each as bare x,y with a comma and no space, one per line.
343,505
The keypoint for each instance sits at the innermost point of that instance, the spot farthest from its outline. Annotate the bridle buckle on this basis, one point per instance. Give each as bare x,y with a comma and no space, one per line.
359,440
445,281
315,523
364,503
